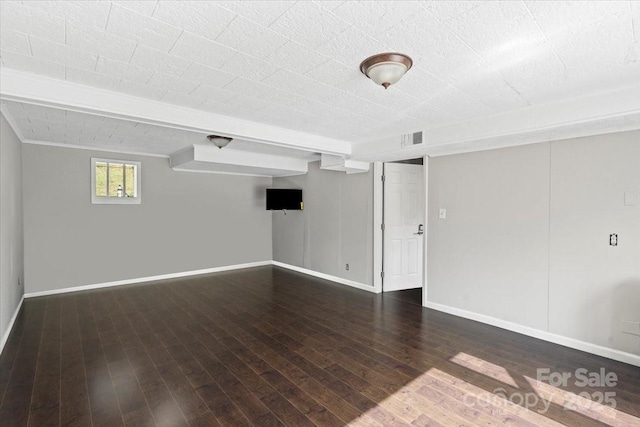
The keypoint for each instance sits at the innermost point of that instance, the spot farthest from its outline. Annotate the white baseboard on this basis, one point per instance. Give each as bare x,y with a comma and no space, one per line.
147,279
5,337
610,353
621,356
326,277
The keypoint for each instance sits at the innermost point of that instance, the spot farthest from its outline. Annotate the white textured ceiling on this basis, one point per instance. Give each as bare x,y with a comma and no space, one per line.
64,127
294,64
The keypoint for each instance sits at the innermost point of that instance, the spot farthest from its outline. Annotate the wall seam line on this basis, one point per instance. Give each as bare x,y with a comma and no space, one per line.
549,245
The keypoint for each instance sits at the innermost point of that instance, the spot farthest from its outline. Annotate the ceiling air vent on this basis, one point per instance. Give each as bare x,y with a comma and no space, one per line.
409,139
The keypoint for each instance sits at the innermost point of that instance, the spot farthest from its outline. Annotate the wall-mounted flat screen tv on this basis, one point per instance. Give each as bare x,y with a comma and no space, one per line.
284,199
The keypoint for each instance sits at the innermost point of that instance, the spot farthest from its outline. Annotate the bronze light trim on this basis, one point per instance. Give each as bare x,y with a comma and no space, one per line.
398,58
219,141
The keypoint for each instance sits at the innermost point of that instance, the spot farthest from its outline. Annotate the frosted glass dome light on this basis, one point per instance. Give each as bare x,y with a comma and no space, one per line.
220,141
386,69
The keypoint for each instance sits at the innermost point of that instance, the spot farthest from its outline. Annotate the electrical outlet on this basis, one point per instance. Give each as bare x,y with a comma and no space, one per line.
613,240
346,267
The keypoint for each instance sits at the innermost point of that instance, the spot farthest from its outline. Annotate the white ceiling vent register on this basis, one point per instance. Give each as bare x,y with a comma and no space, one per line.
410,139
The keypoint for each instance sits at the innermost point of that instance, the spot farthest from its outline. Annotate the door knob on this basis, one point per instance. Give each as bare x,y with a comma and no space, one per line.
420,230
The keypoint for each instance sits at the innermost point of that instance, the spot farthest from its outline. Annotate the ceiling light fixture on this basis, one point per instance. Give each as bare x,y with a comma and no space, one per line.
386,68
220,141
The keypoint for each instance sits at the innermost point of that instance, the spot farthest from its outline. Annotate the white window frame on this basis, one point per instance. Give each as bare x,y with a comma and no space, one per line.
102,200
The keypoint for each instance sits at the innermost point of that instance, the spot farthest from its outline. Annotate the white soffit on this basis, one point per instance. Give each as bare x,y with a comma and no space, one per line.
342,164
286,73
208,158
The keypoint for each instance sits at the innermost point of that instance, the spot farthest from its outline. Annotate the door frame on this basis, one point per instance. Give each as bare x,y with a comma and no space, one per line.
378,235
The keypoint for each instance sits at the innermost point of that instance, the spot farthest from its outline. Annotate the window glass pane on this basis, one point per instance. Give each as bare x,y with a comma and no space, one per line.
116,180
101,179
130,181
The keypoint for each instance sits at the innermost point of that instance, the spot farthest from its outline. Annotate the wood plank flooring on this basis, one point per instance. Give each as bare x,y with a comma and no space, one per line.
270,347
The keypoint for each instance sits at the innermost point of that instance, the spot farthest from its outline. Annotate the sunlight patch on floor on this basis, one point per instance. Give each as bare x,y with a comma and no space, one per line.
448,400
586,403
483,367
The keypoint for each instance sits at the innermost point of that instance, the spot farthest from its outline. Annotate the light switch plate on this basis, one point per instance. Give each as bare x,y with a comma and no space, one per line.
630,198
442,214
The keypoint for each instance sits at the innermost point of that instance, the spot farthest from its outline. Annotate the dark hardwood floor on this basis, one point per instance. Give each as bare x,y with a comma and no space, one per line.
408,295
267,346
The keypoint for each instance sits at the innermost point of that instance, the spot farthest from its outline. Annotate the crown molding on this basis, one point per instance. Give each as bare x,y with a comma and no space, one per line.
39,90
12,123
100,149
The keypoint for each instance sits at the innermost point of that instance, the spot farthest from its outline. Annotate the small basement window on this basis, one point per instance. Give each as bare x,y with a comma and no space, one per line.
115,182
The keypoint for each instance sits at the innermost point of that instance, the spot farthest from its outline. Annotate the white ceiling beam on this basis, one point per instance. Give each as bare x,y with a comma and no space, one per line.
614,111
29,88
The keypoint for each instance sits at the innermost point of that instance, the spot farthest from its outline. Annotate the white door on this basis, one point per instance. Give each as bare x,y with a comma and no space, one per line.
403,226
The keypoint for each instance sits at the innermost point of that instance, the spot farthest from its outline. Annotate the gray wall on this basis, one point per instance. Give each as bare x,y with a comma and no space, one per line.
11,241
526,236
335,227
593,287
187,221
